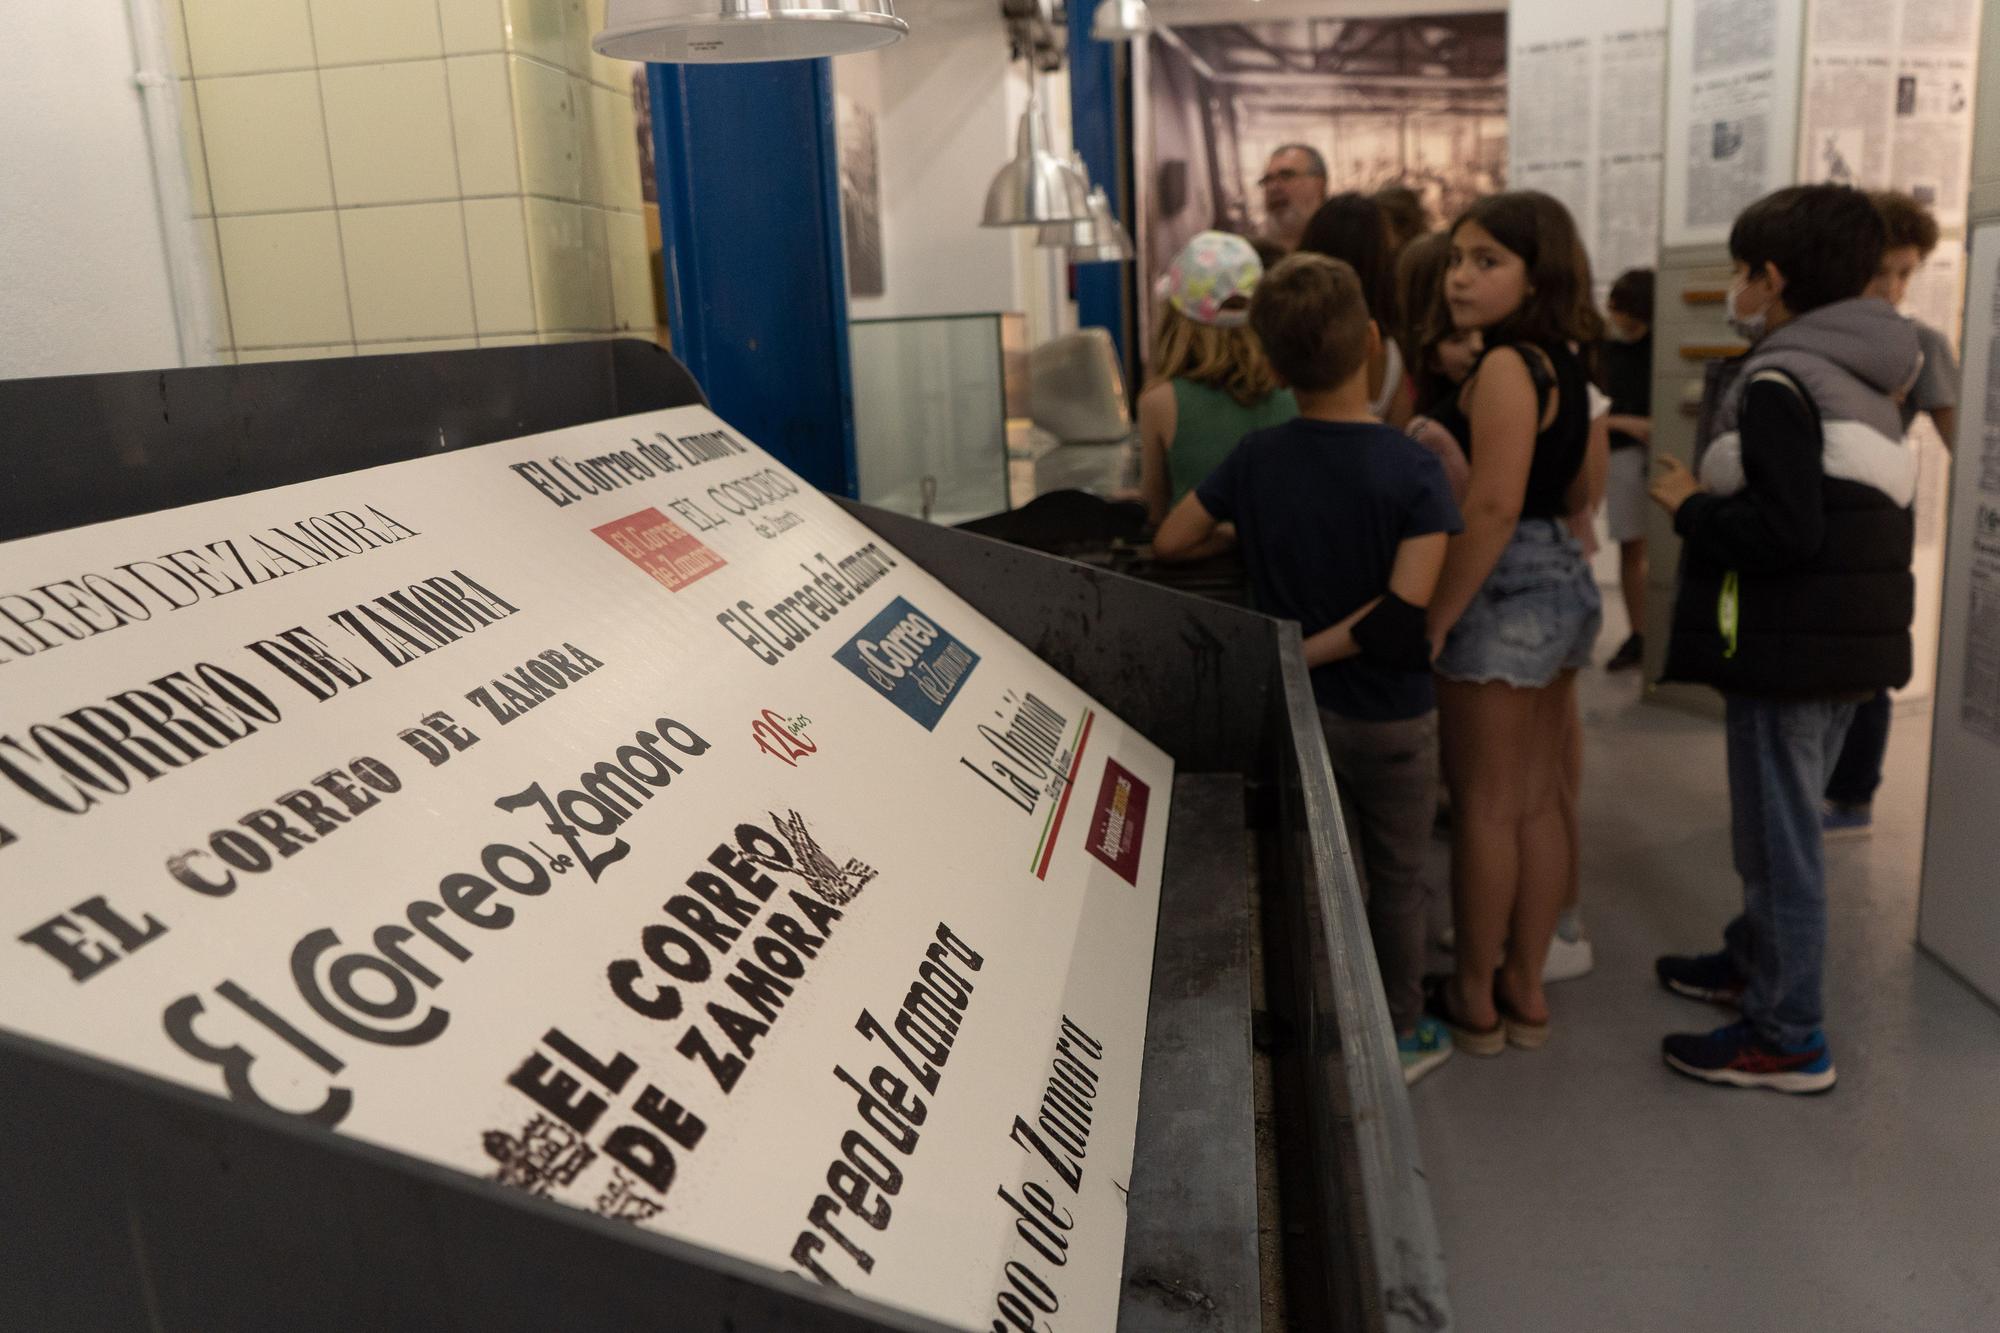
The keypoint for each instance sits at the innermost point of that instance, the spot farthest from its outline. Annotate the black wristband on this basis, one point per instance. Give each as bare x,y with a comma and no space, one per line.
1394,634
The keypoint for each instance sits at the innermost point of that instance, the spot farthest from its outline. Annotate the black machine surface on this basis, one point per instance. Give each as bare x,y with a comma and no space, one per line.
140,1204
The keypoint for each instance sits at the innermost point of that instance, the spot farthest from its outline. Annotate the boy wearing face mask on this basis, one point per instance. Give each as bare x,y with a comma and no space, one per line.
1795,602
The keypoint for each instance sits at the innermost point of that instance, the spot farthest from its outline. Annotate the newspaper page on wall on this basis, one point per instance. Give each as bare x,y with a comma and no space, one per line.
609,814
1586,91
1732,111
1888,98
1959,914
1888,104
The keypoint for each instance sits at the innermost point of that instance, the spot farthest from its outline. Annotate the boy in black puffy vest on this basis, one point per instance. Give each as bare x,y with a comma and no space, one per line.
1795,601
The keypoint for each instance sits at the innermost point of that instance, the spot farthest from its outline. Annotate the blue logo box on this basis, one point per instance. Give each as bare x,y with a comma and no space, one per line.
910,660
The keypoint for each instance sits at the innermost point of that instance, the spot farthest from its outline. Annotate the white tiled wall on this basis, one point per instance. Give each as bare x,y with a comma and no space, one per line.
401,175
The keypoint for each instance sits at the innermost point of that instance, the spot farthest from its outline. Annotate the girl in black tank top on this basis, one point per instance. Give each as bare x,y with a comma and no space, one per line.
1516,610
1561,445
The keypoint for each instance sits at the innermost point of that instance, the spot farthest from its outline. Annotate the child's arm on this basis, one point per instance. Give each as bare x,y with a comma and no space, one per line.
1412,579
1504,423
1639,428
1158,415
1586,492
1191,533
1778,518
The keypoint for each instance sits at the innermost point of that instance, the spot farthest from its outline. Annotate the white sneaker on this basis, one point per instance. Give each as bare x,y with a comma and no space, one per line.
1568,959
1424,1050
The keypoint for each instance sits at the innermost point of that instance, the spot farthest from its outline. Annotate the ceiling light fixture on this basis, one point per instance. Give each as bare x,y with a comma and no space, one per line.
732,31
1108,241
1036,187
1120,20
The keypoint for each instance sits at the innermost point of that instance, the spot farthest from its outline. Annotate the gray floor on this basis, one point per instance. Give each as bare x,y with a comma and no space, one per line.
1586,1187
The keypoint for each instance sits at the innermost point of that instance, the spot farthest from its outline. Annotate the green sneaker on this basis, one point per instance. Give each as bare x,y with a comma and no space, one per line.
1423,1050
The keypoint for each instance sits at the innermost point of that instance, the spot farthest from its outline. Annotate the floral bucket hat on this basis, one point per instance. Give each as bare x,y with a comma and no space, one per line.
1211,271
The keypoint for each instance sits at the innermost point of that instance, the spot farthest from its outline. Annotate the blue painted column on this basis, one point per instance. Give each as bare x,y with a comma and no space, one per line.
1094,125
756,279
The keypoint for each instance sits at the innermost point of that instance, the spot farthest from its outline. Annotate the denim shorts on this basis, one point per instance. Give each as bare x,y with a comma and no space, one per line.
1536,616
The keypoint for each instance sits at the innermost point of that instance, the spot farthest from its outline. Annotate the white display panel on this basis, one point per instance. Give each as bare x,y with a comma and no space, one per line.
1959,914
1732,111
1586,91
607,813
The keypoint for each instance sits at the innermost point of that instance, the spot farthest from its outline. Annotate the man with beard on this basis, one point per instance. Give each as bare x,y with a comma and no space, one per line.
1294,185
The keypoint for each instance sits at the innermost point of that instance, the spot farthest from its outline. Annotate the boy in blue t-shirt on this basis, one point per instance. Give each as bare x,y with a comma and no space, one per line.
1343,523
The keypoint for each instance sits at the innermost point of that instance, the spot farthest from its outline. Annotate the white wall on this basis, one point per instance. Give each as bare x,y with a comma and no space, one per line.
948,105
83,259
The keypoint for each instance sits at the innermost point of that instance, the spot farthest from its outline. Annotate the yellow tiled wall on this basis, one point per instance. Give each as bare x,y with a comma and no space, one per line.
411,175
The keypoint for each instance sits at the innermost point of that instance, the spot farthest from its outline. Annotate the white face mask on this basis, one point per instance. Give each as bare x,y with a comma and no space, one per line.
1748,327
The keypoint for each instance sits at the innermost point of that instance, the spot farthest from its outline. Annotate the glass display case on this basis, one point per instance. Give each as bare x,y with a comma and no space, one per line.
930,414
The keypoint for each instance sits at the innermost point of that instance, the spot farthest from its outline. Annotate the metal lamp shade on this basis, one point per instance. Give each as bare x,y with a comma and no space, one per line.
1036,187
1080,231
1063,235
1107,242
1120,20
731,31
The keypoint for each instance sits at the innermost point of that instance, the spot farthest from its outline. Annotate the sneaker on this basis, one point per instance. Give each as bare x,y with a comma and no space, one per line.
1838,819
1568,959
1570,954
1709,976
1423,1050
1630,654
1737,1057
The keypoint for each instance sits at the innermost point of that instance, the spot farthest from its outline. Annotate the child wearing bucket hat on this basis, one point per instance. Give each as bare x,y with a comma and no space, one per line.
1211,384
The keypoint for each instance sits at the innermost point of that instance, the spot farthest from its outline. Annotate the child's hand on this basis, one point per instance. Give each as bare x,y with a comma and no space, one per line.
1672,483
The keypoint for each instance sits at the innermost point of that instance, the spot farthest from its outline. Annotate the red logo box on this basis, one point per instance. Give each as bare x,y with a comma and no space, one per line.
661,547
1118,828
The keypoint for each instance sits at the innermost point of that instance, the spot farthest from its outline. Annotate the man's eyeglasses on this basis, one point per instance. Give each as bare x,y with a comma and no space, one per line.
1284,175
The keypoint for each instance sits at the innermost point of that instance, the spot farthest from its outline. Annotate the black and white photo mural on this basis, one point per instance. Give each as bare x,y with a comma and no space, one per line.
1416,100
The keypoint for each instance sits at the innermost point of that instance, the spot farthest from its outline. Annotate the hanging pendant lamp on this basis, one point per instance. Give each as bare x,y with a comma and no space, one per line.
1120,20
1036,187
1080,230
1109,242
731,31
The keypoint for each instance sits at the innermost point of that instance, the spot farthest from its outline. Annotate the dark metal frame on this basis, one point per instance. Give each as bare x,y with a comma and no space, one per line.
143,1204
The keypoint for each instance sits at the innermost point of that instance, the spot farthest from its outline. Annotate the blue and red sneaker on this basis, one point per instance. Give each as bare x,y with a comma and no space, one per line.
1737,1057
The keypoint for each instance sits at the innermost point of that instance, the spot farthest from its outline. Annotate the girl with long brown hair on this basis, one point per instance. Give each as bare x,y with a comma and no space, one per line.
1516,611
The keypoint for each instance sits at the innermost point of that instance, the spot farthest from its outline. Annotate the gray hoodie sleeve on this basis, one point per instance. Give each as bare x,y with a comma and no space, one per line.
1937,382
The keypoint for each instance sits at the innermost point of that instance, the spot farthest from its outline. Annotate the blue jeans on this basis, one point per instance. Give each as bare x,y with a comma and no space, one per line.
1535,617
1780,755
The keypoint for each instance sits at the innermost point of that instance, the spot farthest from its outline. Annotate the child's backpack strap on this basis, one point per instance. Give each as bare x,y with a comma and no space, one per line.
1779,375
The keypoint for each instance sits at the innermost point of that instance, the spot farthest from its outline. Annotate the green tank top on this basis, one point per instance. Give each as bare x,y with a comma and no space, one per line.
1207,425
